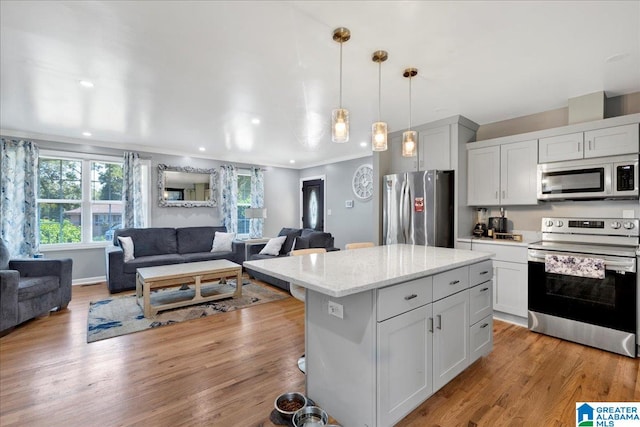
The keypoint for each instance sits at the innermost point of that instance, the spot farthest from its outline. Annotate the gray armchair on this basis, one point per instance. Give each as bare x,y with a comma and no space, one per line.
31,288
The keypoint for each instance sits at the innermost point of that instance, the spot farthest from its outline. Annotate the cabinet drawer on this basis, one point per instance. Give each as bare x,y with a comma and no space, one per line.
480,272
481,302
397,299
480,338
450,282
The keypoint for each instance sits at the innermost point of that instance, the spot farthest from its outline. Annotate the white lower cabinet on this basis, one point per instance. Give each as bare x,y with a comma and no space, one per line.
405,376
480,338
450,337
510,288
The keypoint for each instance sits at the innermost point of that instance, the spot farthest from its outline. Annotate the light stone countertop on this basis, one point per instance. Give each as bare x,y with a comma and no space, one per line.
528,237
343,273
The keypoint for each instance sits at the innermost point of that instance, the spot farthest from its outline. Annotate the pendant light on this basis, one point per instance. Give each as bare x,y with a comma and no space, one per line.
379,128
340,116
410,137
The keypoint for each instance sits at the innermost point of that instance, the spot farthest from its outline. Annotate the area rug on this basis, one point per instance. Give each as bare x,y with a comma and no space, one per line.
122,315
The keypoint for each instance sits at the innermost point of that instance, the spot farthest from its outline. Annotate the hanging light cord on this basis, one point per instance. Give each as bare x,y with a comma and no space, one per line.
340,75
379,88
410,103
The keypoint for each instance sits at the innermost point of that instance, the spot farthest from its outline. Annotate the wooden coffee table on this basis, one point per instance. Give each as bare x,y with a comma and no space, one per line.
197,273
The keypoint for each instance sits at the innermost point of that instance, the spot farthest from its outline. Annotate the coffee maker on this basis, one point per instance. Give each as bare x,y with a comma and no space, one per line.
480,229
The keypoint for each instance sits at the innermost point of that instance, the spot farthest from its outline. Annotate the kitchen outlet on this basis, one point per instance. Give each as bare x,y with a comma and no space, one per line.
336,309
628,213
328,211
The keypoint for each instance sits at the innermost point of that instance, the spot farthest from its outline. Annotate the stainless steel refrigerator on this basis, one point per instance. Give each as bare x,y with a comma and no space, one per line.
418,208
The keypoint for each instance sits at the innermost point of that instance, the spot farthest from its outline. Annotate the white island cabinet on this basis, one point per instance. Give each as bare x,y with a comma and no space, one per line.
385,327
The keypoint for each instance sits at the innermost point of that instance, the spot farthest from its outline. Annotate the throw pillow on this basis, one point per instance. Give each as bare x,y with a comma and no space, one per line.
301,243
222,242
127,247
273,246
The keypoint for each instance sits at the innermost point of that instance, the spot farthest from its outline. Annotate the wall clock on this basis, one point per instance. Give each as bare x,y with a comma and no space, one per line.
362,182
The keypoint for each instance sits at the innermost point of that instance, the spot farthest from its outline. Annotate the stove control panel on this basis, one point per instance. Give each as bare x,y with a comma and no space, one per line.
592,226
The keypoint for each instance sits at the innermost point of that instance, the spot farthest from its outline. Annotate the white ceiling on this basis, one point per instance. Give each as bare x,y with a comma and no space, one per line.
171,77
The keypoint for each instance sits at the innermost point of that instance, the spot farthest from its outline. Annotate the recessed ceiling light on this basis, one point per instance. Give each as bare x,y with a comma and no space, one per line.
86,133
363,144
255,121
292,161
86,83
201,148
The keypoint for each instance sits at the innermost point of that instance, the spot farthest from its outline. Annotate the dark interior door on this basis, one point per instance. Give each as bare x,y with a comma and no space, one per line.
313,204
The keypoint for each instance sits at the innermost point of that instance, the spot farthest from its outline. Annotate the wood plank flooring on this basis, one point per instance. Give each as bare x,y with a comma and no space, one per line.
227,369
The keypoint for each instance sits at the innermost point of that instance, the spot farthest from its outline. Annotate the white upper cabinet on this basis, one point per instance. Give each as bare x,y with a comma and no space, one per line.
610,141
502,174
518,168
483,176
435,148
561,147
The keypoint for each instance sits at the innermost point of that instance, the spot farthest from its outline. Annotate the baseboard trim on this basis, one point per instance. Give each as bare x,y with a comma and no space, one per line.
510,318
88,280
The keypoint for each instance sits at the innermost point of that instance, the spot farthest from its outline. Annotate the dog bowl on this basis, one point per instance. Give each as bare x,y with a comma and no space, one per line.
310,416
288,403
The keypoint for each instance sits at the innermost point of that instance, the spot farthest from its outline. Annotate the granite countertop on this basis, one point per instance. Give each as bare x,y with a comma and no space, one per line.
343,273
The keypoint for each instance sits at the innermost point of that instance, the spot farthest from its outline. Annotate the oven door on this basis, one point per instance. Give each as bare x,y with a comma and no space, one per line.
608,302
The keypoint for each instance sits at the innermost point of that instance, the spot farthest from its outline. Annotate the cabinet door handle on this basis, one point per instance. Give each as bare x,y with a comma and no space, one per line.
579,147
589,144
504,194
484,326
412,296
484,289
430,324
455,282
439,321
496,194
482,273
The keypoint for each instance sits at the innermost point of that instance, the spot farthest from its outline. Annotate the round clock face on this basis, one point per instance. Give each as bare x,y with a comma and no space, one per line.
362,182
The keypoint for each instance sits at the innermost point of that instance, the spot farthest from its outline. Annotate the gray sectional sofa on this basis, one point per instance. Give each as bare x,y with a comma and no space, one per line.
162,246
297,238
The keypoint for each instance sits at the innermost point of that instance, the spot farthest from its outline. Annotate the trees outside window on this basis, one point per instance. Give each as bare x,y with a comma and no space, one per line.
244,201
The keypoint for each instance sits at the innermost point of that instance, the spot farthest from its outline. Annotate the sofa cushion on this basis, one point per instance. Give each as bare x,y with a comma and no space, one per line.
4,256
260,256
196,239
301,243
151,241
206,256
291,234
222,242
319,239
33,287
151,261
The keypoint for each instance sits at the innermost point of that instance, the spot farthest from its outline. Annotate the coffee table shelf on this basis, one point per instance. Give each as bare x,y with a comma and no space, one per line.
193,273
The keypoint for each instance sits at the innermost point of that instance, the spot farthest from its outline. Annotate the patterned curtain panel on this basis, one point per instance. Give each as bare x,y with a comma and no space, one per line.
18,208
133,211
229,197
257,201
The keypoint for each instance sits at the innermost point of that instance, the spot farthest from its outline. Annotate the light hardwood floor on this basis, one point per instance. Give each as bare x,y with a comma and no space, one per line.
227,369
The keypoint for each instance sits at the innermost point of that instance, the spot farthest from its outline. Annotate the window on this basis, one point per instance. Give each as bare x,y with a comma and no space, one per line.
79,199
244,201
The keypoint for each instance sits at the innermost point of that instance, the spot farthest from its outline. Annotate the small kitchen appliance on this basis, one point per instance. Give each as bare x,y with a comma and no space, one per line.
582,282
480,229
498,224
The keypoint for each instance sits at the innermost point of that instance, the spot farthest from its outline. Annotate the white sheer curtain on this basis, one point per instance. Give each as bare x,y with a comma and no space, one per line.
257,200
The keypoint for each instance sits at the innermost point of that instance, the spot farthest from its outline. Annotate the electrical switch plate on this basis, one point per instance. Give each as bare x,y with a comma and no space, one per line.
336,309
328,211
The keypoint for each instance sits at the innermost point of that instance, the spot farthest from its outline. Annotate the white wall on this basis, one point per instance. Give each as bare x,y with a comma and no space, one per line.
345,224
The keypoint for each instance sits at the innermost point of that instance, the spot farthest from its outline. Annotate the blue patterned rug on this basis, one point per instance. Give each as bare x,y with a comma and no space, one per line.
122,315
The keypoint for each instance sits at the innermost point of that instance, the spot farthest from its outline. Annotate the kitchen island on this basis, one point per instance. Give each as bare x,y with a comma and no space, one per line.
386,327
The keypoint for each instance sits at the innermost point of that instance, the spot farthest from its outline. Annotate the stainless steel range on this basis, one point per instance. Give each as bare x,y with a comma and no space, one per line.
583,283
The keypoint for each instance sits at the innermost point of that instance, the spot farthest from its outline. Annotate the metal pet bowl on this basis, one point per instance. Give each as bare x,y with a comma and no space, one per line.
288,403
310,416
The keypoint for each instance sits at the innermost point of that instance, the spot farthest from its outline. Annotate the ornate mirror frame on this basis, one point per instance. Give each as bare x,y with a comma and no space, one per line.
213,187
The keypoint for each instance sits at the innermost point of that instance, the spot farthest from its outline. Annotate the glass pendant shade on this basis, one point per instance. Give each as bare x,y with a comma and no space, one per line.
379,136
340,125
409,143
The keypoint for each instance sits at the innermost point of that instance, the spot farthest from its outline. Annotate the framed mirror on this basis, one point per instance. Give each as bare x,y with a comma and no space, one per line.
187,187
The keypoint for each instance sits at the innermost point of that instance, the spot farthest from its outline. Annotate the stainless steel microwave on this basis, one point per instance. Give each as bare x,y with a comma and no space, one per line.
598,178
